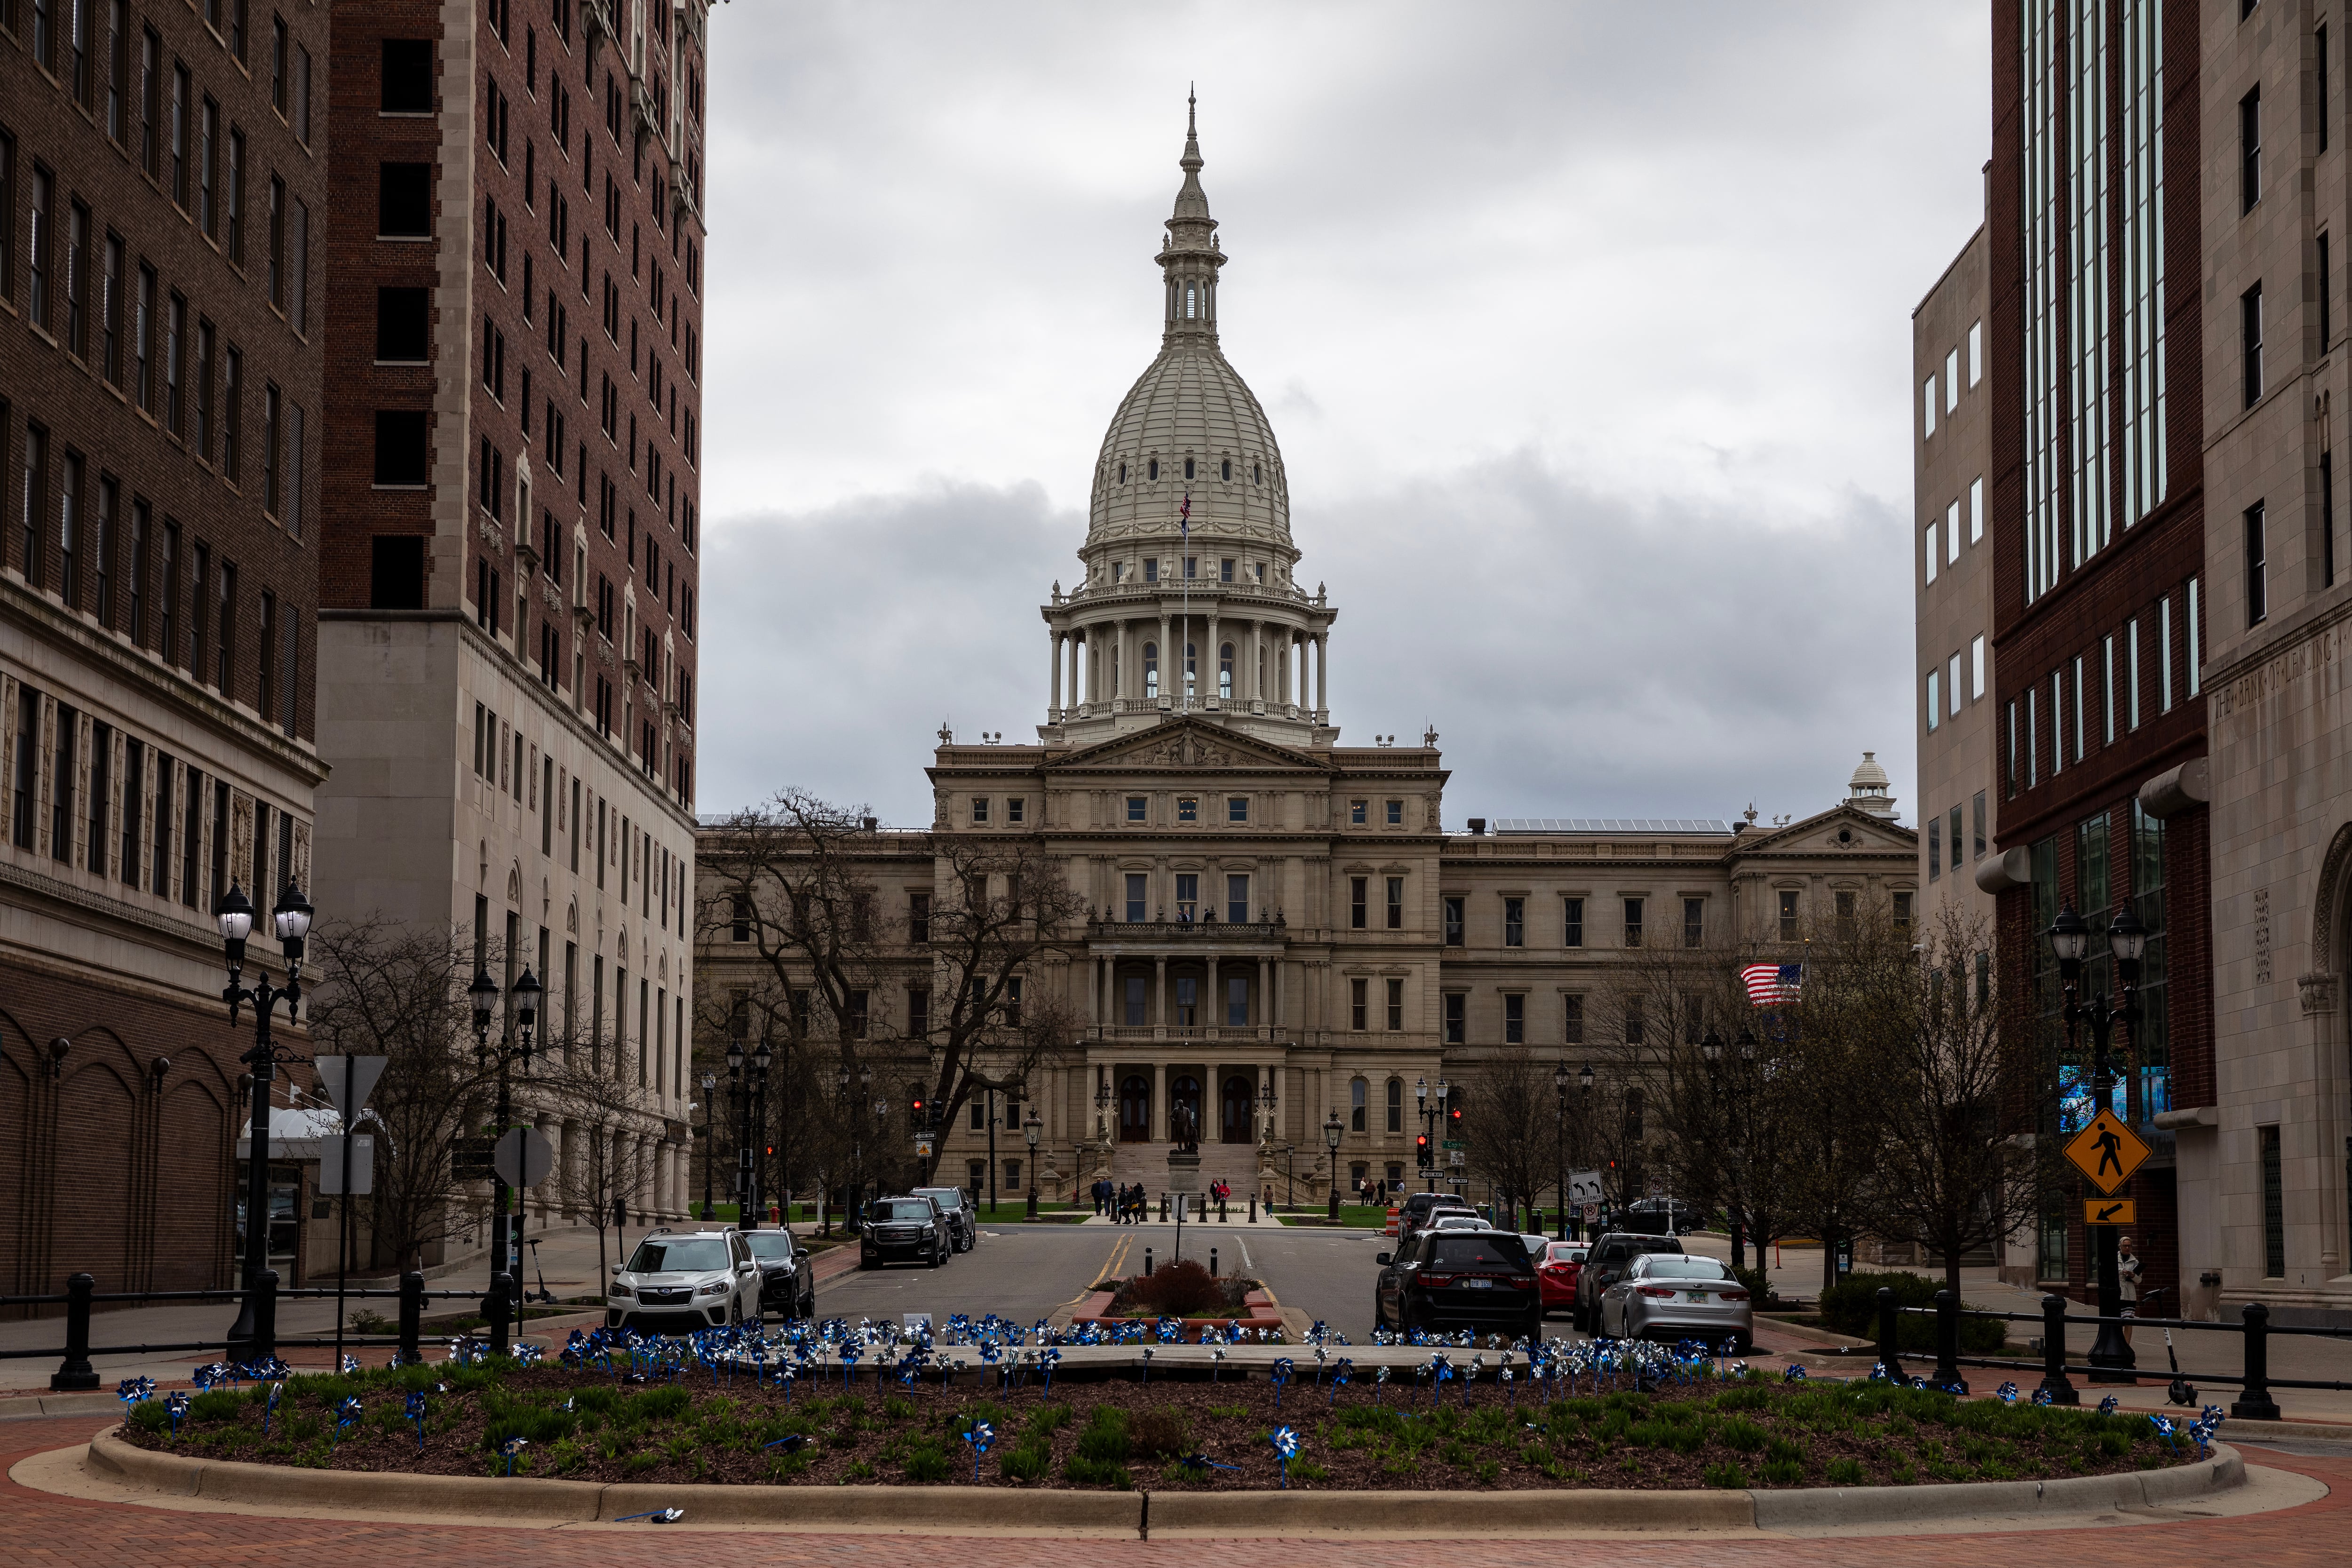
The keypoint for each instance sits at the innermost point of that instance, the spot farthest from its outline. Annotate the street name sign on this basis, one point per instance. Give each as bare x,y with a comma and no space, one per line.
2108,1152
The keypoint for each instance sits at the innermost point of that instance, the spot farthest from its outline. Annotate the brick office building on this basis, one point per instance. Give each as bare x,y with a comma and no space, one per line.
507,647
163,185
2096,338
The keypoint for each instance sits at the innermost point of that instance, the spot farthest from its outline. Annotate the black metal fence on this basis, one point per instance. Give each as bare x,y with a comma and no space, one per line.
81,1294
2253,1381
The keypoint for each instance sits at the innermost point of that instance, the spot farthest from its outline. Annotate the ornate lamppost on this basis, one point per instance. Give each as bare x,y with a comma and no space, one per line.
523,1010
755,1200
2070,939
1332,1134
1033,1129
709,1148
1265,1108
739,1102
254,1335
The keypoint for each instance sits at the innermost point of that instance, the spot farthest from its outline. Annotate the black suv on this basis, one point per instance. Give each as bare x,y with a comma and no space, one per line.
787,1279
911,1228
963,1221
1445,1279
1602,1265
1419,1208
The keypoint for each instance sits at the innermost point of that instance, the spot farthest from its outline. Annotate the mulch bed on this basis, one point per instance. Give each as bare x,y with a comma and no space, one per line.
1120,1434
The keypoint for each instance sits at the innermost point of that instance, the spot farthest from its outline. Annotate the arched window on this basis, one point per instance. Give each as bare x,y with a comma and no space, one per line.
1228,466
1253,473
1151,470
1188,467
1151,669
1225,672
1357,1092
1122,473
1191,302
1396,1105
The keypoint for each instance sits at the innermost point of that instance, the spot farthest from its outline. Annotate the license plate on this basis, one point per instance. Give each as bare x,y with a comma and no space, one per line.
1695,1295
1479,1284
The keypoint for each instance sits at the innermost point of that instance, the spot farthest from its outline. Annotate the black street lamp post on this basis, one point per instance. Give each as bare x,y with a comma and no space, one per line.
1332,1134
1734,1103
1033,1129
855,1206
709,1146
1584,1087
2111,1355
1266,1105
1559,1141
524,1014
739,1100
254,1335
755,1181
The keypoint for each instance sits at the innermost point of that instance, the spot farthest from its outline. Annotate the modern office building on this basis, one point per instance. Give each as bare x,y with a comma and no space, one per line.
162,259
507,610
2096,349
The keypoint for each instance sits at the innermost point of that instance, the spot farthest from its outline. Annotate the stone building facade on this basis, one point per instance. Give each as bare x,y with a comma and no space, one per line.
507,648
1275,919
163,201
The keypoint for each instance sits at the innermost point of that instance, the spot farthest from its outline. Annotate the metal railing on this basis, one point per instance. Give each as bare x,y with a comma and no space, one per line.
81,1294
2253,1381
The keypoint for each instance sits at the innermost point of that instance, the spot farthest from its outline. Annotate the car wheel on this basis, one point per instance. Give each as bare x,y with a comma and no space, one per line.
865,1262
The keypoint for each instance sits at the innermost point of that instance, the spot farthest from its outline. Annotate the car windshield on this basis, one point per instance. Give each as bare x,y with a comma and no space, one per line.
1453,1250
903,1209
769,1243
693,1254
1661,1265
947,1197
1567,1252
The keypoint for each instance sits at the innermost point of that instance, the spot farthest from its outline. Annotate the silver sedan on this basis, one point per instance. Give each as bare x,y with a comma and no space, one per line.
1667,1295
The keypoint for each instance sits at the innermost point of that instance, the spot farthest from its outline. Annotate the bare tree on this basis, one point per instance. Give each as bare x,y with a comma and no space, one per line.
1945,1174
1510,1126
390,991
790,888
603,1156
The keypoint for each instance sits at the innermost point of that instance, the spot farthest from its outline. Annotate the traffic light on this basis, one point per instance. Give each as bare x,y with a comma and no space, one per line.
915,1113
1453,1122
1420,1149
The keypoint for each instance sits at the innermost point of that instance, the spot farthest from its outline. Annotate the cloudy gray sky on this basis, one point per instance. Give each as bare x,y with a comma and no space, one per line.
1585,329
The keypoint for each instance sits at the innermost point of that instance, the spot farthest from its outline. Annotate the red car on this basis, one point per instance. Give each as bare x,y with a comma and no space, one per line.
1556,1273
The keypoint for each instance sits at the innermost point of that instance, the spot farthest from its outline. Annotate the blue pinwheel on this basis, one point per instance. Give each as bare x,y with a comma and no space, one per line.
2167,1431
511,1447
269,1406
1285,1449
1792,1372
2042,1395
527,1355
979,1436
414,1411
350,1365
208,1375
1146,1363
1280,1375
175,1405
1379,1382
2107,1406
1340,1375
2006,1394
132,1390
347,1414
654,1516
1046,1361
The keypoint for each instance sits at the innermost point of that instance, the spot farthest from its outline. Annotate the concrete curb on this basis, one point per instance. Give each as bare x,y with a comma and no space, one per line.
966,1510
2293,1431
1818,1508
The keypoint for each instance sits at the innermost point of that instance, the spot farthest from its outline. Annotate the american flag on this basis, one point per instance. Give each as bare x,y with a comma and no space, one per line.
1767,983
1184,516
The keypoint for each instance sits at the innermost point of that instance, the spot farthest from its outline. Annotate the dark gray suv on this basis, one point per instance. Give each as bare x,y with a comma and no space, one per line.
911,1228
963,1222
1603,1268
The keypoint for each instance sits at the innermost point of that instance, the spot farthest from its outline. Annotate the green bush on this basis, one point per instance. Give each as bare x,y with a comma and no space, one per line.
1845,1473
1105,1439
1729,1477
1083,1471
1850,1307
1742,1433
926,1460
149,1416
1161,1433
1028,1462
1783,1473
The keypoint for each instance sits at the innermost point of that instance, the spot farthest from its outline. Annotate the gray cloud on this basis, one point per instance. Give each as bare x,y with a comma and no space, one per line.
1580,653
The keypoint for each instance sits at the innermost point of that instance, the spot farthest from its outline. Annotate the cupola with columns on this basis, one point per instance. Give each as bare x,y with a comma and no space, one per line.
1189,604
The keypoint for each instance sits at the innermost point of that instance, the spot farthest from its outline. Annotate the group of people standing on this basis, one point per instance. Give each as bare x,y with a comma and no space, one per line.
1124,1202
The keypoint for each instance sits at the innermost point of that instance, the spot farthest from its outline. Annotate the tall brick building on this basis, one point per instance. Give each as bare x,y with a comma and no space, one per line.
2096,334
162,192
508,605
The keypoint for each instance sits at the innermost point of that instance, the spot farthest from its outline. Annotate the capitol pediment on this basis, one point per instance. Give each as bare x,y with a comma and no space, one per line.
1841,830
1187,744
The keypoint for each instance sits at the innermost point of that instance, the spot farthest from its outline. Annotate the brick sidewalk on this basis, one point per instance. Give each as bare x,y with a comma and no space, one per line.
48,1528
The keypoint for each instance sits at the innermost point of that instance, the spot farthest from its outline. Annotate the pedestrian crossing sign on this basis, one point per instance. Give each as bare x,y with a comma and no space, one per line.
2108,1152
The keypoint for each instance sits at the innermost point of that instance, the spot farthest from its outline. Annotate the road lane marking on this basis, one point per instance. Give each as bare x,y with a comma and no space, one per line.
1239,1242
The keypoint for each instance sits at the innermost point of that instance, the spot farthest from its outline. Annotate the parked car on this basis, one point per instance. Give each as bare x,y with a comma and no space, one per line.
787,1279
1556,1272
1414,1212
910,1228
680,1280
1661,1216
1447,1279
1430,1217
1607,1261
963,1220
1447,1219
1662,1296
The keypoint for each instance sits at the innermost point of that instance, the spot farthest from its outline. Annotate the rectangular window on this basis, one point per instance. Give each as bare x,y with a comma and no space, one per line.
2196,645
1357,1109
1188,808
1935,848
1515,1018
1977,825
1237,899
23,789
2258,604
1976,670
236,196
1928,408
142,342
1934,700
1952,534
2131,673
34,505
1396,1006
233,415
2327,324
1934,556
2032,737
2057,721
2250,338
203,376
1975,352
109,306
1514,923
1358,1003
1571,1031
69,551
2107,689
1976,509
1788,914
2250,150
1571,922
2274,1206
1396,813
1955,824
1357,813
2328,519
1358,895
1134,1000
2164,656
1457,1019
1237,808
1694,923
76,279
61,785
207,162
1015,809
1138,897
1633,922
1636,1027
1454,912
134,802
2078,708
1951,380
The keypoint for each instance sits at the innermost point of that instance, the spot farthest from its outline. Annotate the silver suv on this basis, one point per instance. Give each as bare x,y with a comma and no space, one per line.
680,1280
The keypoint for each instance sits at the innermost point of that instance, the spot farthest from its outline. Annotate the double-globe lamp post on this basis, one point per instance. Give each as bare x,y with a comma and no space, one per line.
2070,939
709,1146
523,1014
1033,1129
254,1335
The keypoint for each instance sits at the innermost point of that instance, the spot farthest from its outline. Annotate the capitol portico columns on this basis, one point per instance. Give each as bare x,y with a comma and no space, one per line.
1322,673
1054,704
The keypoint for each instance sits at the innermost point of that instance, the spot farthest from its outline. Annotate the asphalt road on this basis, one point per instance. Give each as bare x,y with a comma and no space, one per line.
1027,1272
